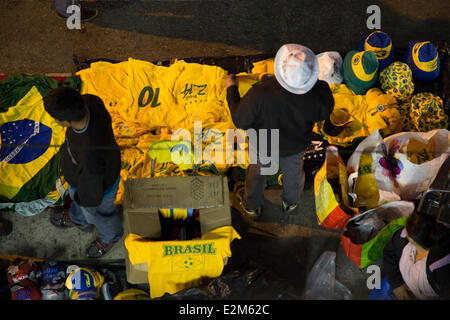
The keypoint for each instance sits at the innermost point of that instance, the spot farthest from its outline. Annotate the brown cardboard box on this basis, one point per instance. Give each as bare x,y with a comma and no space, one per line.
143,198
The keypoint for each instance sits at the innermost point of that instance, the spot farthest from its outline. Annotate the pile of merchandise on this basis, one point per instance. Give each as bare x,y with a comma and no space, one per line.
24,278
393,109
396,134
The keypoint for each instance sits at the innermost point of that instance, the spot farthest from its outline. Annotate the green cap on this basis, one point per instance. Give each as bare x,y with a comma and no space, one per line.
360,70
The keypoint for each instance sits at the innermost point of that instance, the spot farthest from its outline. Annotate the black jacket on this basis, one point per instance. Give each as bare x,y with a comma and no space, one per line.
438,265
91,159
270,106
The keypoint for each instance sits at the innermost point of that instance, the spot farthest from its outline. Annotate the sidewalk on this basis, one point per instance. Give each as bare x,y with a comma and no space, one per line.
289,251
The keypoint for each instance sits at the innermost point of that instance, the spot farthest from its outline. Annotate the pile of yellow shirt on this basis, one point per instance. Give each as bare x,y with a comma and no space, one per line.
177,265
147,103
366,113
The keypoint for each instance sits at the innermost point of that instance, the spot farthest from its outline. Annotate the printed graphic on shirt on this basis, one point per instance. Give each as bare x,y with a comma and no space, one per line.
193,91
188,257
148,95
188,263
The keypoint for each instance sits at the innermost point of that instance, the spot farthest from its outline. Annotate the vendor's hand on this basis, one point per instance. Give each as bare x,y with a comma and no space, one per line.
402,292
231,80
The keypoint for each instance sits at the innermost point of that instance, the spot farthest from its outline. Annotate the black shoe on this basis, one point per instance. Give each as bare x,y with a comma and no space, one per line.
61,219
254,214
87,14
5,227
289,208
98,248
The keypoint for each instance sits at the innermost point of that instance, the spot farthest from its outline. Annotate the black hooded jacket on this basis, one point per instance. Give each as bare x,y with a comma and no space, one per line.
91,159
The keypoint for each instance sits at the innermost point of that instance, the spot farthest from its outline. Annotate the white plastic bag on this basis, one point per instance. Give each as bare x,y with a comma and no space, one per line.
400,167
321,283
416,178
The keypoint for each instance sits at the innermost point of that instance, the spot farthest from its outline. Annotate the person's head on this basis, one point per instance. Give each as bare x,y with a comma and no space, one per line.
296,68
65,105
423,230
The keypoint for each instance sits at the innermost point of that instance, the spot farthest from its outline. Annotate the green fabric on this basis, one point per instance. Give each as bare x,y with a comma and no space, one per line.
206,165
72,82
12,90
41,184
373,249
370,63
16,86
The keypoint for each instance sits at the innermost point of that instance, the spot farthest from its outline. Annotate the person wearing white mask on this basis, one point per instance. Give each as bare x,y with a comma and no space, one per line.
291,102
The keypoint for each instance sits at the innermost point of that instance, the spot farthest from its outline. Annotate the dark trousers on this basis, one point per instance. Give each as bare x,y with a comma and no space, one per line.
105,216
293,182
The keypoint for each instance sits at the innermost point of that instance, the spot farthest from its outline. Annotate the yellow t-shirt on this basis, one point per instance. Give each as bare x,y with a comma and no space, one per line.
151,99
109,81
177,265
198,88
264,66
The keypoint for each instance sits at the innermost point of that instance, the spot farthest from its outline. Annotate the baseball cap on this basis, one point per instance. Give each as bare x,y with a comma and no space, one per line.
379,43
133,294
84,284
423,59
360,70
21,293
50,294
397,81
53,275
23,273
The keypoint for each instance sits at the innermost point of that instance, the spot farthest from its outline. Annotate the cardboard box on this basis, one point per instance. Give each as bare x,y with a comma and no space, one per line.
143,198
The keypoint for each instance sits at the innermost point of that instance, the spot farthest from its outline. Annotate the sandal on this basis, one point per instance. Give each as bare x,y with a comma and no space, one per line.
98,248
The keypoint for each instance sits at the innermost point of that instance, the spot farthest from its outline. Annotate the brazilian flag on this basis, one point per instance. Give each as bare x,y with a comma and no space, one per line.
30,146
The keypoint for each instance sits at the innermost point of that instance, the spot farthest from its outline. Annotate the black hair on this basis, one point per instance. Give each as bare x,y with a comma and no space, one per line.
425,231
65,104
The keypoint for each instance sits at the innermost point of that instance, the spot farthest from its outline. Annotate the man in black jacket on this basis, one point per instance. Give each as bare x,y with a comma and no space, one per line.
291,103
91,165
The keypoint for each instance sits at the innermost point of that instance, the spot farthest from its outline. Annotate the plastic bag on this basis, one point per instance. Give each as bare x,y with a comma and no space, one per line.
251,281
321,283
367,253
422,154
400,167
366,226
330,191
384,293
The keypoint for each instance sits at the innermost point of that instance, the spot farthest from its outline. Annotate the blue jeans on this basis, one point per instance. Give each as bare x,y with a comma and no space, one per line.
293,182
105,217
62,5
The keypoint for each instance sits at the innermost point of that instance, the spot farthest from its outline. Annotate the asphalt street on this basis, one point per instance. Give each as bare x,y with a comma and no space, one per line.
35,39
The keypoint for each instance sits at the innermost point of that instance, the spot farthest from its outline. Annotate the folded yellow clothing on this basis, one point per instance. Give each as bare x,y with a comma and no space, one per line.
363,115
264,66
177,265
